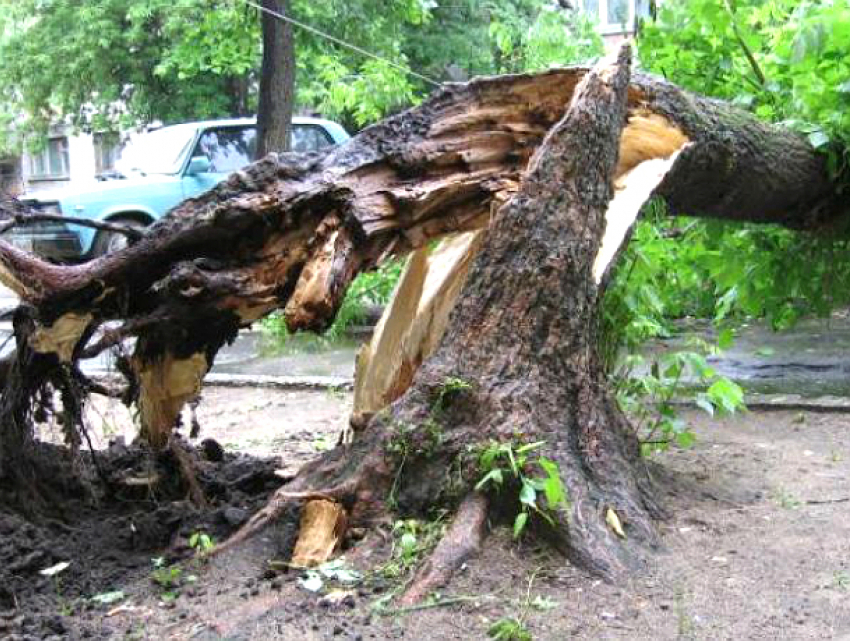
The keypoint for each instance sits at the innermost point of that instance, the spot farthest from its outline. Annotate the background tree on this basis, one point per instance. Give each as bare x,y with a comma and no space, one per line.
115,64
277,79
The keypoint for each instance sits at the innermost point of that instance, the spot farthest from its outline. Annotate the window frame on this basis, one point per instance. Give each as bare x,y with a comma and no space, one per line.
112,147
607,28
44,155
323,132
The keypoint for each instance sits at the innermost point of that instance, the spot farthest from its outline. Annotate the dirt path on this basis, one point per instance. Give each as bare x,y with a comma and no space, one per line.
757,547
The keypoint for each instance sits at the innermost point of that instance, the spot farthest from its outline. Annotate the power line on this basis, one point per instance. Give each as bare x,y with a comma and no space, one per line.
341,43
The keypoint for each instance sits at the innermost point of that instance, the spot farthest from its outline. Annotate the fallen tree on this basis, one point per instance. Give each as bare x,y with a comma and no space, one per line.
556,166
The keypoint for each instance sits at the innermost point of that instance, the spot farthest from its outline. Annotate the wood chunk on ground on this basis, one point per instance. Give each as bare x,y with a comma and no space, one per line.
323,526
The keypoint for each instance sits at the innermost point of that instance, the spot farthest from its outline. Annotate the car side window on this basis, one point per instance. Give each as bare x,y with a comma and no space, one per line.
309,138
228,149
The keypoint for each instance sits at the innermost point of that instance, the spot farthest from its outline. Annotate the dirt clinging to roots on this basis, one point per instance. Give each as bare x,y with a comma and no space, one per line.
130,507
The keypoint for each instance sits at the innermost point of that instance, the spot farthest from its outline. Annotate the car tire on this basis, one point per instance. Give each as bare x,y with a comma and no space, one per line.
107,242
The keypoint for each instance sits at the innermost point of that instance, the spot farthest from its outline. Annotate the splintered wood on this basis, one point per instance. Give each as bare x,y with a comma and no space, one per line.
322,529
413,323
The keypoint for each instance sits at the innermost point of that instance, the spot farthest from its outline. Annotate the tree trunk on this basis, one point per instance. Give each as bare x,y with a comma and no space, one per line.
293,230
523,337
277,80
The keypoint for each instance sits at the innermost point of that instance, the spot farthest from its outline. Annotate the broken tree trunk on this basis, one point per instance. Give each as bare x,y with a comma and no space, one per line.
519,363
291,232
522,339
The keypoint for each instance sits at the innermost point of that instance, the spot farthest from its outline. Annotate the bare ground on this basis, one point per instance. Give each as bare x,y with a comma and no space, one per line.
756,547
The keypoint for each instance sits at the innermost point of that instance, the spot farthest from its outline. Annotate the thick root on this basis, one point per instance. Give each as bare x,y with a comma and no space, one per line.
273,510
187,471
461,542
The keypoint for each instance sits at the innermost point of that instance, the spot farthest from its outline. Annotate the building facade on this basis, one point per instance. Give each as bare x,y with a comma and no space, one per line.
67,156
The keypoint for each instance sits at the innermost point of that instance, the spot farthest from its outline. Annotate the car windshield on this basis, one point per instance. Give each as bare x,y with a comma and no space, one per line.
157,152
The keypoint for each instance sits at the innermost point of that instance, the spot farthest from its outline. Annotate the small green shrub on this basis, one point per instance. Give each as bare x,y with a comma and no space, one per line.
502,463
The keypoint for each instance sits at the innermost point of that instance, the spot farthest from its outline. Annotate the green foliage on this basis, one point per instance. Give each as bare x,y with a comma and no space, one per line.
201,542
120,63
532,36
108,64
168,577
412,540
509,629
508,464
785,60
451,388
650,397
676,268
513,628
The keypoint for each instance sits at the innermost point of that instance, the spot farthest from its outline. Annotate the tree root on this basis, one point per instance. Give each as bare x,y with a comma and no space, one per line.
275,507
462,541
187,470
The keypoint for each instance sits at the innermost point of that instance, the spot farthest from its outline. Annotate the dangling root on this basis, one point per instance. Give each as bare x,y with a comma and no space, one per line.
187,470
461,542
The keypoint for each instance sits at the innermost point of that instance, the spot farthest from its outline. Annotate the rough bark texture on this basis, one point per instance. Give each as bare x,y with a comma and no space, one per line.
277,80
293,230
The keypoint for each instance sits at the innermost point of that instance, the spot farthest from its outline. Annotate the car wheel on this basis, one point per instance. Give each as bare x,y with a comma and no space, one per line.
107,242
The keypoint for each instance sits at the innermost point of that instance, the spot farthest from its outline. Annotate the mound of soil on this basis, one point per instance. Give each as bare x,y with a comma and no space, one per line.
108,522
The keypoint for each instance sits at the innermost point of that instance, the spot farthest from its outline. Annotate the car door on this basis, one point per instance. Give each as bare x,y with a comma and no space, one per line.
227,149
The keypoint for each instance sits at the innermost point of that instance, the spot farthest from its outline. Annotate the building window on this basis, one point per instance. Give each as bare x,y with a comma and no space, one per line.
618,13
616,16
53,161
107,148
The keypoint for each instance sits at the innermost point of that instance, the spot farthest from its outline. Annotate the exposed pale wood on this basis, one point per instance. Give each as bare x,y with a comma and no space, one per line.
415,320
166,385
413,323
61,336
631,191
323,525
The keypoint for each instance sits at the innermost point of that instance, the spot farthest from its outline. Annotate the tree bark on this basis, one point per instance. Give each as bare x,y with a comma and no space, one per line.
277,80
293,230
523,336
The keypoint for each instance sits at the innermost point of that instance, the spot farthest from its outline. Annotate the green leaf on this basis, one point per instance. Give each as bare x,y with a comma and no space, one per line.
528,447
553,488
686,438
493,476
727,395
527,494
408,542
520,523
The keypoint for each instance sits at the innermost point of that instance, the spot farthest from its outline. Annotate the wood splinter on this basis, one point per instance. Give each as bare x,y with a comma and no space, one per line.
323,525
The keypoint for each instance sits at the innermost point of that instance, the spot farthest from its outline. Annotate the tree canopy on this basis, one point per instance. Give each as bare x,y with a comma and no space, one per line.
120,63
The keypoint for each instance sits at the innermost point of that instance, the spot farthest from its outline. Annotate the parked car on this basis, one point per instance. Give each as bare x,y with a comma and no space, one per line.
156,171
